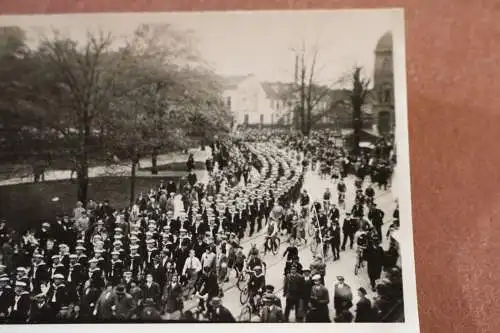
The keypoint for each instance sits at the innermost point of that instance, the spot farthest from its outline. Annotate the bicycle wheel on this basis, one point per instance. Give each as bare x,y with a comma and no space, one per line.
244,296
240,282
276,246
246,313
262,248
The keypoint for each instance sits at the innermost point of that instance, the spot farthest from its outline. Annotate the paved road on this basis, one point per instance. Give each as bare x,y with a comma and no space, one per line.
345,266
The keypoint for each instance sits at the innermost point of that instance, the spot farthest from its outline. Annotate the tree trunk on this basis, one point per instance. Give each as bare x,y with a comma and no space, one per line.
309,119
357,126
132,180
154,163
83,160
83,185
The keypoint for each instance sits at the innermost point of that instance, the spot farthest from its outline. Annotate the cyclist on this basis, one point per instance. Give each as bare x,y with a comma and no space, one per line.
369,194
341,189
271,235
358,183
362,243
304,203
327,195
256,285
253,258
271,296
291,251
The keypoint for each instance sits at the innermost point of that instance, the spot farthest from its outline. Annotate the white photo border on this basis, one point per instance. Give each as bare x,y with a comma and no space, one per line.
411,324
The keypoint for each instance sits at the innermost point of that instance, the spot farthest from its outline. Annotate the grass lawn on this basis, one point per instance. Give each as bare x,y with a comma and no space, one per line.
177,166
27,205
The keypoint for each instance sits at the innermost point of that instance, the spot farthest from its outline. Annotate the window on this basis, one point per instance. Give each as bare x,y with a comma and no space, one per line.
387,95
229,102
261,119
246,120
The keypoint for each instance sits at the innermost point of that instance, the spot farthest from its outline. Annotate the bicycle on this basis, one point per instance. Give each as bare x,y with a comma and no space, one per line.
274,246
341,200
199,312
245,276
246,312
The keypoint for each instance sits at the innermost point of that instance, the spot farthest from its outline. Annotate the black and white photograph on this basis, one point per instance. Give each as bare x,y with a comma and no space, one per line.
206,167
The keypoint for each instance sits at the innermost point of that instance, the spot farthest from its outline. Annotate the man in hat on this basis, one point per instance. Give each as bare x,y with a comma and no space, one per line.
172,297
151,289
151,252
19,310
364,311
292,291
218,313
271,313
6,297
38,273
135,263
158,271
41,312
115,268
43,234
199,227
318,302
123,305
342,298
57,294
149,312
256,286
75,278
349,229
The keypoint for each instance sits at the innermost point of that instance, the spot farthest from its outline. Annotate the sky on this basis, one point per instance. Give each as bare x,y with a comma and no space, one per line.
259,43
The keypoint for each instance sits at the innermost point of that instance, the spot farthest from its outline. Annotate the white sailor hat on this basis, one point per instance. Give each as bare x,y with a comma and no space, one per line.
59,276
115,253
316,277
20,284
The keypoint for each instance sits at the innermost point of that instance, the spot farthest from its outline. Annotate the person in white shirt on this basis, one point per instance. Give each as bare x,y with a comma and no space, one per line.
191,270
208,259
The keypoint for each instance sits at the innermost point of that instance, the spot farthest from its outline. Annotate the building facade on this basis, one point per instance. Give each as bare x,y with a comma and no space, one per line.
383,90
247,100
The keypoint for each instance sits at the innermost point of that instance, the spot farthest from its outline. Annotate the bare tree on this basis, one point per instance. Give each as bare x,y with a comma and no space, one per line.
307,93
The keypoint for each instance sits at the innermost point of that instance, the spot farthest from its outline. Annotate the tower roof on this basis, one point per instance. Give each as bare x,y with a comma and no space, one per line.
385,43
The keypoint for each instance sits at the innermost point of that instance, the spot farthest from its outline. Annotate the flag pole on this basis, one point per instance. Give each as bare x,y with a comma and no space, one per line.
319,228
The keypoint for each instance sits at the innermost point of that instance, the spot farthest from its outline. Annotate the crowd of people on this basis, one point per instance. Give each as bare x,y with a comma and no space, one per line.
180,241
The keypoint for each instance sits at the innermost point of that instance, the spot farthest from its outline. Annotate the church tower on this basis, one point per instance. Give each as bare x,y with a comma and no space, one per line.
383,81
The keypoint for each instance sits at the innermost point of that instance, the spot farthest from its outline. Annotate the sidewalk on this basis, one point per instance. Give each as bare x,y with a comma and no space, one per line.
120,169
